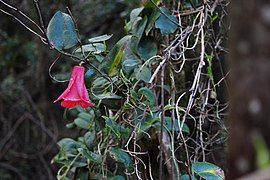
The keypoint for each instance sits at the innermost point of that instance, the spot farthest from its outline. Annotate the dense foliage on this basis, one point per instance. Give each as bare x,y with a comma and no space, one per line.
157,94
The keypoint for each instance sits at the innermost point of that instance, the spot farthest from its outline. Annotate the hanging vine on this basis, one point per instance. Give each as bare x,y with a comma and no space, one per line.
158,89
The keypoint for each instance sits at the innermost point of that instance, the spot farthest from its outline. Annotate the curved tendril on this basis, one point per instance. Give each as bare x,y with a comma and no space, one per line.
50,69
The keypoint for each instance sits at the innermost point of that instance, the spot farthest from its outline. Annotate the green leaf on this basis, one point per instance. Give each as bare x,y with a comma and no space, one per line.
118,47
121,156
130,48
143,74
128,45
116,178
61,31
97,48
99,121
68,147
116,63
111,101
129,65
150,4
168,124
149,121
84,120
134,16
86,116
147,48
80,162
148,94
152,19
70,125
96,158
125,132
84,174
165,24
90,77
111,124
135,13
139,27
79,109
127,106
82,123
134,94
208,171
101,38
186,177
108,96
100,83
99,57
89,138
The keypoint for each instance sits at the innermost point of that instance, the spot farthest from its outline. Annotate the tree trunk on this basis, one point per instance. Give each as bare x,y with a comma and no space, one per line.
250,83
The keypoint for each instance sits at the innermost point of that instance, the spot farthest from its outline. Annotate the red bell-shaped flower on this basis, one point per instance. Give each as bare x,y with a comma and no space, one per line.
76,93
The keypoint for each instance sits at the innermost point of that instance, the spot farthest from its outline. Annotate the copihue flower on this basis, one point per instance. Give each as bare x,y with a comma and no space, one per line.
76,93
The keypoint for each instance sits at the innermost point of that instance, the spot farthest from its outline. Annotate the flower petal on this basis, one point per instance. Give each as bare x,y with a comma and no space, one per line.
76,93
73,104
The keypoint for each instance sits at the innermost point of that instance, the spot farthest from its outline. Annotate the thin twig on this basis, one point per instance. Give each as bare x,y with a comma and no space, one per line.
24,25
162,123
50,69
22,14
77,30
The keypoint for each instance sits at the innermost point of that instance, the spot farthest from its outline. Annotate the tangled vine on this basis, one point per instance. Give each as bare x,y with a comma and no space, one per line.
158,93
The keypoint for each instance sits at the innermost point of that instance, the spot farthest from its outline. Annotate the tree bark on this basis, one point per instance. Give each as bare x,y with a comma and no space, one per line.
250,83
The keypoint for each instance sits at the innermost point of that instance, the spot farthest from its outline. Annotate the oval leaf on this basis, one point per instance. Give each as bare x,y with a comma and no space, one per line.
86,116
109,59
111,124
186,177
139,27
130,64
61,31
90,77
70,125
148,94
121,156
166,23
152,19
97,48
125,47
82,123
208,171
68,147
89,138
101,38
143,74
116,63
96,158
147,48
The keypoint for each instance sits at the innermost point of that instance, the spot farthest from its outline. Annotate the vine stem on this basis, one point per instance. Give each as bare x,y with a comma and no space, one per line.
24,25
41,21
162,123
175,168
70,165
22,14
77,30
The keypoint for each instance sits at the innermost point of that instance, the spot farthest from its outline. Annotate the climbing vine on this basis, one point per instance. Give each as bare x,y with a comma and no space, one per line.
152,103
